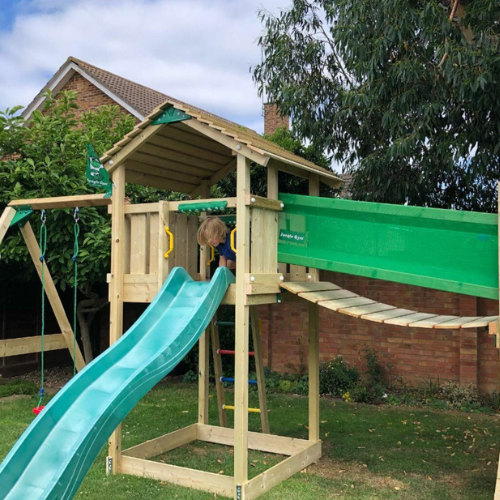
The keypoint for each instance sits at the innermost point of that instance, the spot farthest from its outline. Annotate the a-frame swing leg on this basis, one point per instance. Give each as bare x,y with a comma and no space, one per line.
5,220
52,295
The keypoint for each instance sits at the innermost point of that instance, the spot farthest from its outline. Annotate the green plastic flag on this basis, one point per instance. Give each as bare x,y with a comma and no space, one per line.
97,176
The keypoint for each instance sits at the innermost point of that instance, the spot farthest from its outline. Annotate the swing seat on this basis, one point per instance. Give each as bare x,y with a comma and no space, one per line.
38,409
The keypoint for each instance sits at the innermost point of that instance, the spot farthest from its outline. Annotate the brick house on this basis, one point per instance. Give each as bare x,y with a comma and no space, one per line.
415,355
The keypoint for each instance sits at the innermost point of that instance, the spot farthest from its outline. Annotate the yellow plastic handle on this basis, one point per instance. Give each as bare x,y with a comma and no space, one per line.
212,255
170,242
233,232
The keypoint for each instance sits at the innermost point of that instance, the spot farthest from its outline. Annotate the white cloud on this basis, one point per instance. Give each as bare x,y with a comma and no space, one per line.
193,50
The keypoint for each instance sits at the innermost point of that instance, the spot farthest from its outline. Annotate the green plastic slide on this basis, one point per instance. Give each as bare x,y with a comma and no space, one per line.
53,455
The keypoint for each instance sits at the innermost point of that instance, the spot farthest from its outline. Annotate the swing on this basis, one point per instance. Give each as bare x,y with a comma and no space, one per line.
43,248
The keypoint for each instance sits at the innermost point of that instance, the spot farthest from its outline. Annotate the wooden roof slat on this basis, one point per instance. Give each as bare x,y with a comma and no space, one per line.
164,174
197,152
216,177
157,182
190,136
169,165
308,286
175,159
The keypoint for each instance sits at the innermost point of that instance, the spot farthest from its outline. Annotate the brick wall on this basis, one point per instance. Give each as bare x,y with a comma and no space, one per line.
89,96
273,120
416,354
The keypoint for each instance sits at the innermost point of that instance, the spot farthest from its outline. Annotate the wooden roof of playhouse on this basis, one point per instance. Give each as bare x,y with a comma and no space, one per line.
182,148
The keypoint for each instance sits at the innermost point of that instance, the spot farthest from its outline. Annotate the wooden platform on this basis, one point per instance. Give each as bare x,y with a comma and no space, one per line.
343,301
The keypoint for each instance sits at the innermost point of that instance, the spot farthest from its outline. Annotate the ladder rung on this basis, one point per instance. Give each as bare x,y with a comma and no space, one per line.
229,379
250,410
226,351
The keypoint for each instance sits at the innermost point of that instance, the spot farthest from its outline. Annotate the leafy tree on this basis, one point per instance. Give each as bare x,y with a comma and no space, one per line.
405,93
47,157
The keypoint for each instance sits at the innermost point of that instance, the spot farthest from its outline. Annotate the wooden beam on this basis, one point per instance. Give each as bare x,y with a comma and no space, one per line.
313,372
85,200
259,368
260,202
29,345
267,443
277,474
241,324
52,295
220,174
314,191
190,478
5,220
227,141
204,342
162,444
116,290
214,334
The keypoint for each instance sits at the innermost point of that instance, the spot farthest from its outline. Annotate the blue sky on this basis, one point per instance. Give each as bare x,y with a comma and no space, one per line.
198,51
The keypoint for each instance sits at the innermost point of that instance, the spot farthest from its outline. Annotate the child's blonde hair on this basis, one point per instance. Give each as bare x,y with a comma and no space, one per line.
211,228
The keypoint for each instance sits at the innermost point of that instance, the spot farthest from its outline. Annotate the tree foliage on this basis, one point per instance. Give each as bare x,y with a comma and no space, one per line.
47,157
404,93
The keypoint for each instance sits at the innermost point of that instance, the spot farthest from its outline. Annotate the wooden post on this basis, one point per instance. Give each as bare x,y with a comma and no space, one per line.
313,191
219,387
259,368
313,372
242,330
272,193
52,295
116,293
163,242
204,342
5,220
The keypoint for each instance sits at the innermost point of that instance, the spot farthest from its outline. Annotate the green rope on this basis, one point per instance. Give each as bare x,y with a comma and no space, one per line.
43,249
76,231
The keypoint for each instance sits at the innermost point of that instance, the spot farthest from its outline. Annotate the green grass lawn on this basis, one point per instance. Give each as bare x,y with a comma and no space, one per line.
369,452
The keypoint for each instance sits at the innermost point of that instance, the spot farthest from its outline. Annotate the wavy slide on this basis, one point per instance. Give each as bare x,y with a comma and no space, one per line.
53,455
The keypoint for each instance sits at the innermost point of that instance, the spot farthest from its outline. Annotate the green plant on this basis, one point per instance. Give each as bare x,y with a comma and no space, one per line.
461,397
337,377
17,386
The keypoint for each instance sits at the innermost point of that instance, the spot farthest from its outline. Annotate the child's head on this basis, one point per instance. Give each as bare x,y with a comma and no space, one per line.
212,231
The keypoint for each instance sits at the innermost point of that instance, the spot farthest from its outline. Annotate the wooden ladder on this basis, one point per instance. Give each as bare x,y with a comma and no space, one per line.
259,368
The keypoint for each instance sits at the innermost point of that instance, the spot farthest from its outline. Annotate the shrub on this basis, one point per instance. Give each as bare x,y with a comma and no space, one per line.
337,377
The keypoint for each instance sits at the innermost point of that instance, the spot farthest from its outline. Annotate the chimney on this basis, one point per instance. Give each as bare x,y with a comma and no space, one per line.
273,120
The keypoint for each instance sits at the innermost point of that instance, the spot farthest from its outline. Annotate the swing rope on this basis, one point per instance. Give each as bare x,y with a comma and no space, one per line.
76,232
43,249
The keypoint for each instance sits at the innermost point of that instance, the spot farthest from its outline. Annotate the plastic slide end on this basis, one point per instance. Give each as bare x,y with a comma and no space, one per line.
38,409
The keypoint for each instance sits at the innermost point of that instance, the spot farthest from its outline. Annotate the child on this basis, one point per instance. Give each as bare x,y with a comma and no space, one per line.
214,232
